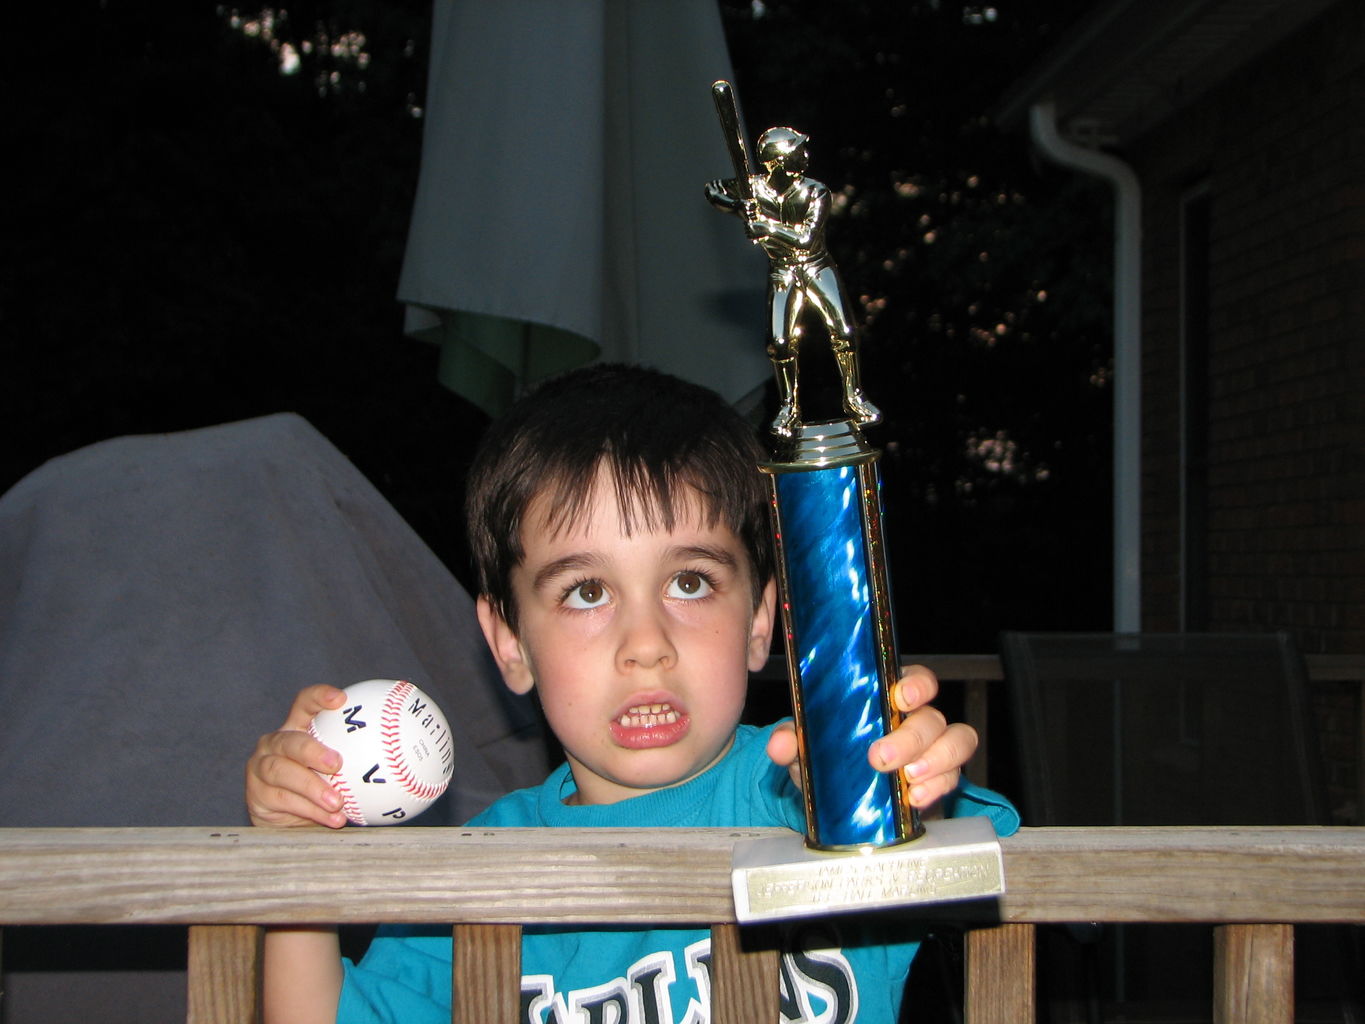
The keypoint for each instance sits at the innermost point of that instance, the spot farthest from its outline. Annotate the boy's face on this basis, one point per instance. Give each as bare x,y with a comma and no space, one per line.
639,646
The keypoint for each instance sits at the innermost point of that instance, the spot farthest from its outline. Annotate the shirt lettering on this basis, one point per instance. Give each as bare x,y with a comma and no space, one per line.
817,987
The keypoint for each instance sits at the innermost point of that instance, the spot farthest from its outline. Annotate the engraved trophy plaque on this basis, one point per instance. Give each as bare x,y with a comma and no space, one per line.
865,845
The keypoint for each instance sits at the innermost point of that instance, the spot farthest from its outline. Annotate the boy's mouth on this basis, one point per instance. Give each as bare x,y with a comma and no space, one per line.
642,715
641,726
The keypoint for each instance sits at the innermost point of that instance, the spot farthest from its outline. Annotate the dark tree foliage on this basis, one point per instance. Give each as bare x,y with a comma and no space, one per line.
197,238
984,286
193,236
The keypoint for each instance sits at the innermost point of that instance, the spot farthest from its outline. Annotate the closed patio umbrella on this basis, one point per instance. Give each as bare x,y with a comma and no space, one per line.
559,216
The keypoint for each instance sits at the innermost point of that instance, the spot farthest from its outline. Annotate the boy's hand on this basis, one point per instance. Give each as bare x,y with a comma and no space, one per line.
929,749
283,789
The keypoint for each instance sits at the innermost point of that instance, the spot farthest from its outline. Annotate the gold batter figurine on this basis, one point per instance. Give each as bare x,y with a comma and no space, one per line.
785,213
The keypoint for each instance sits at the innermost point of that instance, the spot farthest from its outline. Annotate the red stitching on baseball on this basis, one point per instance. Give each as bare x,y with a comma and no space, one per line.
348,801
389,729
349,805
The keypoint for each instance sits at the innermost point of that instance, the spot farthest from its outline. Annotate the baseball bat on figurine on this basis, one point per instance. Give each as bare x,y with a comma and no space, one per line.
727,109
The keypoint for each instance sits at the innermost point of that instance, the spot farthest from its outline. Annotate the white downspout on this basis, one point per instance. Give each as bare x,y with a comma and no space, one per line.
1127,354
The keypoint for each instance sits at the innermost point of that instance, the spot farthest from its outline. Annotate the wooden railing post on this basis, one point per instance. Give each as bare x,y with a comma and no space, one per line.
977,673
744,984
485,980
1001,975
976,713
224,974
1253,974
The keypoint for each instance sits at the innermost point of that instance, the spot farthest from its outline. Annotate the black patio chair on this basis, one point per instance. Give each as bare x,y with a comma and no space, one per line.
1165,729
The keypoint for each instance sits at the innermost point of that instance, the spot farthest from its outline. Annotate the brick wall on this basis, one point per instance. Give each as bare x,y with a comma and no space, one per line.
1281,149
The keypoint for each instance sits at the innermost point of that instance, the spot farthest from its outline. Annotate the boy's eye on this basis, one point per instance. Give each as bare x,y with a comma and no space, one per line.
689,585
588,594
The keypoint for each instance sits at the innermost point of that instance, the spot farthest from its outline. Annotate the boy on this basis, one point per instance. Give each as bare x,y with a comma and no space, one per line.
625,571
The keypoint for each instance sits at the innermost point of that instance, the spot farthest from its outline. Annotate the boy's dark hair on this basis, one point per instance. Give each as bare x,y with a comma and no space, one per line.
657,434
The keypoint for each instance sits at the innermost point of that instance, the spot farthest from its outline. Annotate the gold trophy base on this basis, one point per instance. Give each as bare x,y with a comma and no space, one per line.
779,878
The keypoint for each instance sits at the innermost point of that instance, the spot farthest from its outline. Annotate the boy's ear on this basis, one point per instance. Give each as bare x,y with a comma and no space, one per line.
506,647
761,631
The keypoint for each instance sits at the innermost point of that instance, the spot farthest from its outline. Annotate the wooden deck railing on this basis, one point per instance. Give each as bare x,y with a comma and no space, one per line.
1254,884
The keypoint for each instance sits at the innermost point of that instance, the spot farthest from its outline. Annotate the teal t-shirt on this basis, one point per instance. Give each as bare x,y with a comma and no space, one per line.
846,968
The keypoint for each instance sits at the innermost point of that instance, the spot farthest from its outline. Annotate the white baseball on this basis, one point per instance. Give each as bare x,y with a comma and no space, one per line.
396,754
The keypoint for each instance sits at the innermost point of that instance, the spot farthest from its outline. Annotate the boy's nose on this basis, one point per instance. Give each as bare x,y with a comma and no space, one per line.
645,641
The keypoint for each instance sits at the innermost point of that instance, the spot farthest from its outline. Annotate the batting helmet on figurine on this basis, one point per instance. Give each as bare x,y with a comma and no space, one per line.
780,143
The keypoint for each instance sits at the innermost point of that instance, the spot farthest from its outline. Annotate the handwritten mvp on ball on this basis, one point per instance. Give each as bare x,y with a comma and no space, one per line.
395,747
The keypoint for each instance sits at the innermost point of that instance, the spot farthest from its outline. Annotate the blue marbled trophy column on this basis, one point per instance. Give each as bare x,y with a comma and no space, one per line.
841,648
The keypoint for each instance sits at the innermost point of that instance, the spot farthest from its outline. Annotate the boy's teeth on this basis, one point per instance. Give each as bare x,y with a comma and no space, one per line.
644,715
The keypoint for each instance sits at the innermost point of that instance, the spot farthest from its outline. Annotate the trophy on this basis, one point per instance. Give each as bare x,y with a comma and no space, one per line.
865,845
